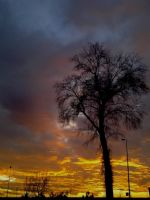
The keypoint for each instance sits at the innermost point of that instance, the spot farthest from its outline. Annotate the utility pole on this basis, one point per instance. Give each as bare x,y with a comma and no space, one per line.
129,191
8,181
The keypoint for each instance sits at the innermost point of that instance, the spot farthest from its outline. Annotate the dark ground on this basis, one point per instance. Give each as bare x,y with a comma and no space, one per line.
72,198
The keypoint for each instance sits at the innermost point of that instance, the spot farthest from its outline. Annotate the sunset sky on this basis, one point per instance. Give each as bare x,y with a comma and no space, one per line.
37,40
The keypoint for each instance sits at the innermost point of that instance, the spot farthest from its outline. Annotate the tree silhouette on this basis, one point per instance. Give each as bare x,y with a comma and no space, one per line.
36,185
104,92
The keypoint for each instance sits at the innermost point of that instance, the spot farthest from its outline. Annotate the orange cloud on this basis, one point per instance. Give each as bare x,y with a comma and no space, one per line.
81,175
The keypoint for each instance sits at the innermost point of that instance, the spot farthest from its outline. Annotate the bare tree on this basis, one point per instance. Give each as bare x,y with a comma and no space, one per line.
36,185
104,91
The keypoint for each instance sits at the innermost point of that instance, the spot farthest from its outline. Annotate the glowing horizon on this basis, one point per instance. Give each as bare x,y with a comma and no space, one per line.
76,182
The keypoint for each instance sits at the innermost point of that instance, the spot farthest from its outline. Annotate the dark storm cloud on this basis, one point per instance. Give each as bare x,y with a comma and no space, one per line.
31,56
122,24
107,13
24,56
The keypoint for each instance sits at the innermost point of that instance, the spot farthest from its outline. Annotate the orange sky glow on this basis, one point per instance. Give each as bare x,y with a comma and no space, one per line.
80,176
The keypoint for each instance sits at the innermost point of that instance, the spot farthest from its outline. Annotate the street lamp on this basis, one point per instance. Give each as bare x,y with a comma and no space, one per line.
124,139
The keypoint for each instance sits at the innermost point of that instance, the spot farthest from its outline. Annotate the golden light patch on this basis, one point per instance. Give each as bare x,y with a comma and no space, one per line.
81,175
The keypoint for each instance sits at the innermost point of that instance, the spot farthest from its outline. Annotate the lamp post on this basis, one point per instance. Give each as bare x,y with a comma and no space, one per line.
124,139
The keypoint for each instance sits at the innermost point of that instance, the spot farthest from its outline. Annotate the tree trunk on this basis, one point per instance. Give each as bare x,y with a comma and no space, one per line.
107,166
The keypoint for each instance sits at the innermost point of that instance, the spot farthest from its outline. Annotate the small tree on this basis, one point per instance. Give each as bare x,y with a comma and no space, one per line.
105,92
37,186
